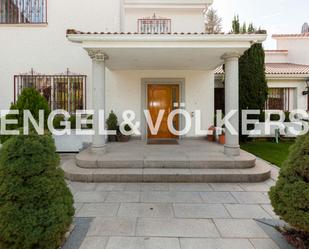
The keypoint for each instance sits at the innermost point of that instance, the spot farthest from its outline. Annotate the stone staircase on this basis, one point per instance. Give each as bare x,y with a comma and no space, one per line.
191,161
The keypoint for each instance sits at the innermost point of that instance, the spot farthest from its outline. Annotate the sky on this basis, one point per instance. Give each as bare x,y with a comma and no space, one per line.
276,16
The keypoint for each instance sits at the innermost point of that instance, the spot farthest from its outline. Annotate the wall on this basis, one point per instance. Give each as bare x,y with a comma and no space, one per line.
298,49
46,49
276,58
123,92
183,20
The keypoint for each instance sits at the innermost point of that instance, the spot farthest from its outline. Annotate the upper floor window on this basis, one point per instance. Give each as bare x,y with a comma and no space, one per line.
23,11
62,91
154,25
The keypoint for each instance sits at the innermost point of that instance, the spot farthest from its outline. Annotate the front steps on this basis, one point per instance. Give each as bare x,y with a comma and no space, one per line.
260,172
190,161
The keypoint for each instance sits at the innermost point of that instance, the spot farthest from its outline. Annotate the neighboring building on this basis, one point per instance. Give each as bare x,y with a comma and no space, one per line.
287,72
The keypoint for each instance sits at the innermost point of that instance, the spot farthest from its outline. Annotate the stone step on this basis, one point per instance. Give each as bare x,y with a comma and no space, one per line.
174,160
259,173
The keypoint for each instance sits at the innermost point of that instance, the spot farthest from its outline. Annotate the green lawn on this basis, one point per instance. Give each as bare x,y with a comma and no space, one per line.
269,151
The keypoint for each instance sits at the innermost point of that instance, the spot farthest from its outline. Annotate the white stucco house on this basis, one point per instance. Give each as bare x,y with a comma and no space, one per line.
125,54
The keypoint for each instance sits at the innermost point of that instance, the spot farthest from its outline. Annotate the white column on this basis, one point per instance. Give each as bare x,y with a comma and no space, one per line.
98,95
231,147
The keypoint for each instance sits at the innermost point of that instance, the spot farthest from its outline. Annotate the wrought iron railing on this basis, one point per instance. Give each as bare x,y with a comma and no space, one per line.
154,25
63,91
23,11
278,99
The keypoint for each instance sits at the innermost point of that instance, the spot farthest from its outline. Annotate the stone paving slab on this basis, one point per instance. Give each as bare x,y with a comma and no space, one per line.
90,196
251,197
239,228
171,197
98,210
215,244
114,226
145,210
142,243
202,211
264,244
94,243
218,197
124,196
247,211
194,228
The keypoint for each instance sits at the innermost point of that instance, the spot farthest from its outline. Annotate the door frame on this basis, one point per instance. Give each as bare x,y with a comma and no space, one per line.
144,99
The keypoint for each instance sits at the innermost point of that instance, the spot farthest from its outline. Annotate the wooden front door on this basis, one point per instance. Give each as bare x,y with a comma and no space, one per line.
163,97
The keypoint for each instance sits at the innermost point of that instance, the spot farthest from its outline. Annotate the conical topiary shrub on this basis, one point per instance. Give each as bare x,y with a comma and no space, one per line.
290,196
36,206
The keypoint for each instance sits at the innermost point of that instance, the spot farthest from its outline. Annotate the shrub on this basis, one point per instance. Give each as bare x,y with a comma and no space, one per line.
30,99
36,206
290,196
112,121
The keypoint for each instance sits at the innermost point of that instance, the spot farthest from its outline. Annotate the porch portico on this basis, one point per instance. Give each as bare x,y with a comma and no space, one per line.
165,52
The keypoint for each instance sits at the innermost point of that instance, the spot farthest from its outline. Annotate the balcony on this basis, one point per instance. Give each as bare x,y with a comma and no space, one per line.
154,25
23,11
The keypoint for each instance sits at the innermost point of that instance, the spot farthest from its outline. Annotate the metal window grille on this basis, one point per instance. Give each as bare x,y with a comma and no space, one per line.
278,99
23,11
64,91
154,25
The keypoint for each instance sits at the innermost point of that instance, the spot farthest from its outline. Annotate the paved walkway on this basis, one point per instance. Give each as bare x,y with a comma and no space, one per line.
174,215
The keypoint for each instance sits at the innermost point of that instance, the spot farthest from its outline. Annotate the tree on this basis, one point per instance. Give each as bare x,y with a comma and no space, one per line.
236,25
30,99
244,28
290,196
36,206
213,23
253,89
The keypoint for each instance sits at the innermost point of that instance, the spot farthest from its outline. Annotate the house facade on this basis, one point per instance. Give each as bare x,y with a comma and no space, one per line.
120,55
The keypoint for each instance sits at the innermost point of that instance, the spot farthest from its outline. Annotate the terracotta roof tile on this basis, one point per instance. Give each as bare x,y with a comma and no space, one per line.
279,69
76,32
291,35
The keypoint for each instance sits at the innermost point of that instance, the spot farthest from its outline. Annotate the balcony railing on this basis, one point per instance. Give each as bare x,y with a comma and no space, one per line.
23,11
154,25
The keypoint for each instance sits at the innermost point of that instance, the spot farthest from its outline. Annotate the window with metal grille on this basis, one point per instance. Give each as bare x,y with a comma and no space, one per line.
23,11
154,25
63,91
278,99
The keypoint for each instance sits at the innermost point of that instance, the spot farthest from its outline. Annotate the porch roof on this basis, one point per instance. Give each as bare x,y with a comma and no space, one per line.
178,51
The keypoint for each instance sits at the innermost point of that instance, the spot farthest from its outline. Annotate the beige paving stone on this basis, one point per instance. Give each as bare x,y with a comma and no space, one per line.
110,187
190,187
200,211
142,243
132,186
264,244
226,187
255,187
81,186
94,243
98,210
145,210
251,197
154,187
247,211
90,196
171,197
193,228
124,196
218,197
112,226
239,228
215,244
77,206
270,210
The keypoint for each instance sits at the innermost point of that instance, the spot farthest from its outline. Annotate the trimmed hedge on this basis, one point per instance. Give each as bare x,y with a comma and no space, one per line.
290,196
36,206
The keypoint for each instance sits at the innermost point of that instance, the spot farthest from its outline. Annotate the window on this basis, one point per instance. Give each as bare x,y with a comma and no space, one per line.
279,99
154,25
63,91
23,11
